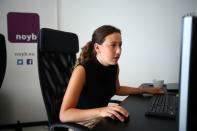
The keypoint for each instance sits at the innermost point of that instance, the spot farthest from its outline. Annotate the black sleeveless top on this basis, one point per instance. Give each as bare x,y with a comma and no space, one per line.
100,84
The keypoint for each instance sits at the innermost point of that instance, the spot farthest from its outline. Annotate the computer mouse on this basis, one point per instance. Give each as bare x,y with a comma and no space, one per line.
126,120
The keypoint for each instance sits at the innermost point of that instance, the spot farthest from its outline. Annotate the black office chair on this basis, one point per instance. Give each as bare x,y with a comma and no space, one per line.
2,58
56,57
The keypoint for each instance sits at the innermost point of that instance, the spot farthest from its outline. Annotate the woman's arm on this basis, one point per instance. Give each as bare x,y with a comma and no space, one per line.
69,112
125,90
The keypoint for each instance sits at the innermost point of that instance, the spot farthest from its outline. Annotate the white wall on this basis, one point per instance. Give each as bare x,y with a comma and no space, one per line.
20,95
151,32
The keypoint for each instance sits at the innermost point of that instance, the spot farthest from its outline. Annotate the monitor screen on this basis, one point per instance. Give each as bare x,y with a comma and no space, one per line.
188,74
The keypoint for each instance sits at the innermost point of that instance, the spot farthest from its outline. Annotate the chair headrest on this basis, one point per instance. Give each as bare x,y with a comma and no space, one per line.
2,38
3,58
57,41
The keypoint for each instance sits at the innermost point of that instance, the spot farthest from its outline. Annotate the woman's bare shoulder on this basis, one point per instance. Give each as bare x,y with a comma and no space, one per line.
79,70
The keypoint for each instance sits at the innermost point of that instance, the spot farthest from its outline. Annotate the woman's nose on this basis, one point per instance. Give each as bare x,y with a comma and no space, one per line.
118,50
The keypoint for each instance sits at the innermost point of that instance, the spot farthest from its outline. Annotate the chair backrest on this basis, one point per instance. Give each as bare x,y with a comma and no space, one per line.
56,58
3,58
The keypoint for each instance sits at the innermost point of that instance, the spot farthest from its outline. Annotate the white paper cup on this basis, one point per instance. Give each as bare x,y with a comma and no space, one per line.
158,83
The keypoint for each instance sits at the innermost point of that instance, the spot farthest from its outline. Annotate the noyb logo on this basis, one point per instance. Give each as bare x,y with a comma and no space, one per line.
22,27
26,38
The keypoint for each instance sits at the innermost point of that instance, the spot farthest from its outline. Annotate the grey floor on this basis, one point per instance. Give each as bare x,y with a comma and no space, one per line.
35,128
38,128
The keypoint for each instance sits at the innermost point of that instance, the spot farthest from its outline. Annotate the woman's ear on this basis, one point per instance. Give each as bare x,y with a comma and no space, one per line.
96,47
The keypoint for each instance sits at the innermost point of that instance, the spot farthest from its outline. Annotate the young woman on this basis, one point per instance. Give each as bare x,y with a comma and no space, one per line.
95,80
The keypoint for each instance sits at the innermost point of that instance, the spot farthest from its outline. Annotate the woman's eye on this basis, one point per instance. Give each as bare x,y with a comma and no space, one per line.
113,45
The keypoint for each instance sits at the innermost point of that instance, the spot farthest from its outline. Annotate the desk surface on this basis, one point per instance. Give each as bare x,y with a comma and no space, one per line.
136,105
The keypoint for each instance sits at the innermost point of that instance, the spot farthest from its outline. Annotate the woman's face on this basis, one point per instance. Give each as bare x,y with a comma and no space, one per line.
108,53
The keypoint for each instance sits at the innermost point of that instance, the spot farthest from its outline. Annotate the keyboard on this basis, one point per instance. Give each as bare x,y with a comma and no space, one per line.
162,106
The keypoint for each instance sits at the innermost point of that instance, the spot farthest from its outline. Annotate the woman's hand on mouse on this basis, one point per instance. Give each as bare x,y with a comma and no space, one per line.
114,112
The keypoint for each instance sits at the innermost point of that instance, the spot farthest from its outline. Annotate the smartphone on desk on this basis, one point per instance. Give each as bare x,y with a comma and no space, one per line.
146,85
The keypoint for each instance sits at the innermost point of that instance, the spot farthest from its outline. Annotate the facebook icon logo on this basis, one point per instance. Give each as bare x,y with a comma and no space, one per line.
29,61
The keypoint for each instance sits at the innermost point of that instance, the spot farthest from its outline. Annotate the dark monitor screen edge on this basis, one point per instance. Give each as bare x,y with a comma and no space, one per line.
187,74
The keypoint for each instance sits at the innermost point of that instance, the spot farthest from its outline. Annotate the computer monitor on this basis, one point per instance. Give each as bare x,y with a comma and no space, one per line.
188,76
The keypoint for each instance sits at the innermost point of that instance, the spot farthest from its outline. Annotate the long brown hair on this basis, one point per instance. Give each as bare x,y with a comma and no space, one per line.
97,37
